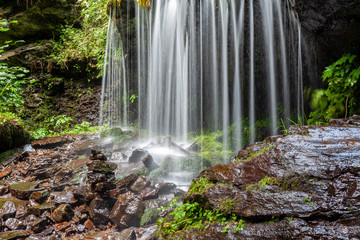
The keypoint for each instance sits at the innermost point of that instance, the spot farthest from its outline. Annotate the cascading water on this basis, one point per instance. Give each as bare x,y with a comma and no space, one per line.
114,92
214,65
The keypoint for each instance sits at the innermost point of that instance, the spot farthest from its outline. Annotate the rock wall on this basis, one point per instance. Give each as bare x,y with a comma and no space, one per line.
304,185
331,27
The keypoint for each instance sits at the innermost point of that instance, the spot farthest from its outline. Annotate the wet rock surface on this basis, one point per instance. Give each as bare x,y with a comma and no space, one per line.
301,186
67,188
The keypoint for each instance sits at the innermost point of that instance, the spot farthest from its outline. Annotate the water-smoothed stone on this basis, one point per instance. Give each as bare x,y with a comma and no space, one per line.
23,190
137,155
140,184
50,142
127,210
17,234
102,167
8,210
63,213
94,177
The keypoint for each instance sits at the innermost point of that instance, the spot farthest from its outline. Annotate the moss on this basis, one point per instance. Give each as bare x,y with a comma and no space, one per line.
227,205
252,155
200,186
6,155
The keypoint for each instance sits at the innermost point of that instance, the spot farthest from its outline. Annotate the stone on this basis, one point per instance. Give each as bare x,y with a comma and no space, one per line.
8,210
149,163
88,224
50,142
127,181
63,213
17,234
39,196
81,193
98,166
140,184
12,134
127,211
137,155
99,210
5,173
40,209
149,193
166,188
62,198
14,224
39,224
23,190
61,226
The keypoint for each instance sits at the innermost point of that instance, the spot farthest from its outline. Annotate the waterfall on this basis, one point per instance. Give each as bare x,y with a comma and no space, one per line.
114,92
234,66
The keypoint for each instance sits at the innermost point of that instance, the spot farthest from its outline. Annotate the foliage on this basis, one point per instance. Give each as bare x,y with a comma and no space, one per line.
211,147
85,42
157,173
148,216
6,155
200,186
61,124
12,81
341,98
144,3
192,215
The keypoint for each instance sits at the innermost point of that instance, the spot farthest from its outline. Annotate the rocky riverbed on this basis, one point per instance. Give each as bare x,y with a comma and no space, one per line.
303,185
63,188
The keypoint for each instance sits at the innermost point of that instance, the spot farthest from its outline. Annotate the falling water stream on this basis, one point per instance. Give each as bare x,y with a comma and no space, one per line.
207,65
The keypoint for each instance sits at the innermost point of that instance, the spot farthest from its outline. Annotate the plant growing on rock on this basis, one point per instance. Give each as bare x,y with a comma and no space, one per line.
193,215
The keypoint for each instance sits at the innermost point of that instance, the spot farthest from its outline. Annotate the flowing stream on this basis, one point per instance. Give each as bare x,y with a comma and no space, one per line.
208,65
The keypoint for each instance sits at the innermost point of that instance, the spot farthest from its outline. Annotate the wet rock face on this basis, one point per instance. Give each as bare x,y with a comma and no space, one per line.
127,210
307,181
12,135
333,28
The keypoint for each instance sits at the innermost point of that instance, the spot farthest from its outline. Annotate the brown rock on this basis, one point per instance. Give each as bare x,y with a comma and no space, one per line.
88,224
127,210
99,210
140,184
8,210
149,163
23,190
127,181
5,173
63,213
40,209
17,234
14,224
149,193
61,226
50,142
102,167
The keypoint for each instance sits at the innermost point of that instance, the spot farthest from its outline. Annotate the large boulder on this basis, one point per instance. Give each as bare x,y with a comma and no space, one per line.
305,184
12,134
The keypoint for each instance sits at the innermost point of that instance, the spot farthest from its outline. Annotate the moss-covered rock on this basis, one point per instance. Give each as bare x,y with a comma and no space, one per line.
12,134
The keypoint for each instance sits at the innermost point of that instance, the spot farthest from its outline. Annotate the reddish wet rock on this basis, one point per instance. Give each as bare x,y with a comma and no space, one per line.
127,211
140,184
51,142
307,181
